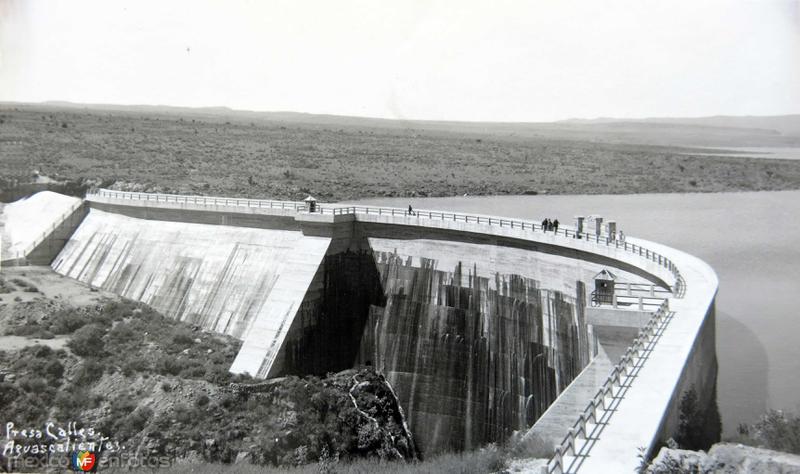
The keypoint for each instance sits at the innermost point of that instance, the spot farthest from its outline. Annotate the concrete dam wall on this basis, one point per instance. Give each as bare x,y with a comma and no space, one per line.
478,328
215,277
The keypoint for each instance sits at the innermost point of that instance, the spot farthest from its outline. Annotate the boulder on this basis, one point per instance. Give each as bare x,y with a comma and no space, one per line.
726,458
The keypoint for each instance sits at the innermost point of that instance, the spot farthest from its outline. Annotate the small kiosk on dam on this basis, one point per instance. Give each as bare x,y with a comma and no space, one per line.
483,325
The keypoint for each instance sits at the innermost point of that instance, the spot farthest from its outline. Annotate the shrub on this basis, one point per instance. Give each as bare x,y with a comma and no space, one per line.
779,431
87,341
68,321
182,340
54,370
32,330
8,393
133,422
122,333
167,365
135,365
33,383
88,372
43,352
71,401
698,427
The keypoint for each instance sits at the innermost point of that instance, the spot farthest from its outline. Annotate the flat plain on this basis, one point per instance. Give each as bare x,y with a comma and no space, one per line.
288,156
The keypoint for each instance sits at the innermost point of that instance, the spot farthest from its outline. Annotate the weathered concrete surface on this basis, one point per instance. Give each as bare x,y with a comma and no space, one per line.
261,354
216,277
556,272
472,358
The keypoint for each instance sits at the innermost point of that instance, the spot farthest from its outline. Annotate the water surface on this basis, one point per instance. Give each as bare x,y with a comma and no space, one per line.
751,239
781,153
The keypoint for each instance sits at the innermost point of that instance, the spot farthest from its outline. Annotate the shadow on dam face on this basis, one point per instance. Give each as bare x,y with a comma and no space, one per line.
333,318
471,358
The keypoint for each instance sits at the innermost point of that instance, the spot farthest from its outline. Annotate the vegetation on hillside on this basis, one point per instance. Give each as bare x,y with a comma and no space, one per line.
159,388
214,155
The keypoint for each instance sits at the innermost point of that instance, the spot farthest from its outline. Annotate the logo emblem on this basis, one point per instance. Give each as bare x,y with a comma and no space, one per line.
84,461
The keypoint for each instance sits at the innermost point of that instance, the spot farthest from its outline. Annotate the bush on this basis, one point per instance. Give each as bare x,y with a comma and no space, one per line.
43,352
88,372
33,331
133,423
122,334
136,365
8,393
54,370
167,365
779,431
71,401
68,321
88,341
698,427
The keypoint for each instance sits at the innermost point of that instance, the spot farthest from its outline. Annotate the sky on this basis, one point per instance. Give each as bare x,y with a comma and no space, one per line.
492,60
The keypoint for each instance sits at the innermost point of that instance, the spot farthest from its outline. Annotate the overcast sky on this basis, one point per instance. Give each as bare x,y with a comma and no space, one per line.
531,60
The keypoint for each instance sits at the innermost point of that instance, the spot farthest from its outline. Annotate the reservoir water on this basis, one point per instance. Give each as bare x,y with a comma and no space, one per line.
751,239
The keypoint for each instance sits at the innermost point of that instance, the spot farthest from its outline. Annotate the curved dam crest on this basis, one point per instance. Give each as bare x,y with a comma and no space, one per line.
479,328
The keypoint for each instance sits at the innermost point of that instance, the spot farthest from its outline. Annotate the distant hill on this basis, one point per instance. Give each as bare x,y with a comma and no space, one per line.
717,131
784,124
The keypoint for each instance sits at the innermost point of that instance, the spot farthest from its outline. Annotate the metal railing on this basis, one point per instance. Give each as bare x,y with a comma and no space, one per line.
299,206
616,301
199,200
567,232
595,416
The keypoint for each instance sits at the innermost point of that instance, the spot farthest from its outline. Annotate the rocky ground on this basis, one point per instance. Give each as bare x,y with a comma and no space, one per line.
725,458
159,389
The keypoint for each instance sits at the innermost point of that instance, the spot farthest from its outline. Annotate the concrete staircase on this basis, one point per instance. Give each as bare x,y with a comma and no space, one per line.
554,424
261,353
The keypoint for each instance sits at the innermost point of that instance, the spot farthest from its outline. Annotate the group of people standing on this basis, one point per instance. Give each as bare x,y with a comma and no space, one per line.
547,224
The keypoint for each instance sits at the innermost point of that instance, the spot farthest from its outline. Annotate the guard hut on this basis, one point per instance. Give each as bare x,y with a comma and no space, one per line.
603,288
311,204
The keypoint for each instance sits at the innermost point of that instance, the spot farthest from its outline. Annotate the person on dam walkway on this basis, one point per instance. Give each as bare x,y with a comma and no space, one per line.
545,223
555,225
410,211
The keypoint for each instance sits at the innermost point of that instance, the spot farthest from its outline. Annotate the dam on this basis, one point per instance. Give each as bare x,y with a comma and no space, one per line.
483,325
